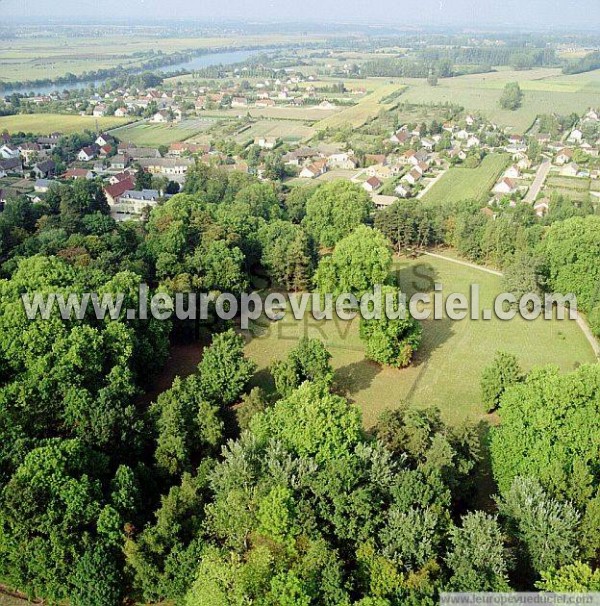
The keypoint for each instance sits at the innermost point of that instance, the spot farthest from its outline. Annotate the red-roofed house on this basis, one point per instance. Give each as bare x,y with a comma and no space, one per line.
114,192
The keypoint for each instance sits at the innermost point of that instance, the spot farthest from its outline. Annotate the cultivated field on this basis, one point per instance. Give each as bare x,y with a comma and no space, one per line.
154,135
367,108
44,124
449,363
574,188
468,183
546,90
288,131
282,112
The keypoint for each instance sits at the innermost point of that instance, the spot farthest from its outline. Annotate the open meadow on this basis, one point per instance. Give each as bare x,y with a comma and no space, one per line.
468,183
452,356
44,124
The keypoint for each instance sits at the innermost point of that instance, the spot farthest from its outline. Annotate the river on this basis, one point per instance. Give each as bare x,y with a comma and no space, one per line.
207,60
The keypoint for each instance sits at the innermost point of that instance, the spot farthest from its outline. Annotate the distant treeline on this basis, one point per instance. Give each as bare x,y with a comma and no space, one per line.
585,64
392,67
515,56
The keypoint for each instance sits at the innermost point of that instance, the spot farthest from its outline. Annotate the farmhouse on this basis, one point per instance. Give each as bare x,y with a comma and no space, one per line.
372,184
564,156
78,173
44,169
576,136
41,186
10,166
87,153
104,139
166,166
314,170
120,177
119,162
131,204
50,141
137,153
99,111
383,201
412,177
403,190
266,142
239,102
570,170
400,137
116,190
513,172
299,156
161,117
179,149
8,151
505,187
29,151
541,207
265,103
342,160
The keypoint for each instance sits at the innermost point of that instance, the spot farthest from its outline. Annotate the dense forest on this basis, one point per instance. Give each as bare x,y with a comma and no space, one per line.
218,493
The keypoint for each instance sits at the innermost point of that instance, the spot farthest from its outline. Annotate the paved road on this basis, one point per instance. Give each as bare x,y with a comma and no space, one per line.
579,319
538,182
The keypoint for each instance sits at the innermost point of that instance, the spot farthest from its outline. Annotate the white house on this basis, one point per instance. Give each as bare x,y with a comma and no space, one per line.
161,117
372,184
341,160
103,140
473,141
314,170
402,190
570,170
541,207
414,176
505,187
86,154
8,152
99,110
564,156
576,136
266,142
513,172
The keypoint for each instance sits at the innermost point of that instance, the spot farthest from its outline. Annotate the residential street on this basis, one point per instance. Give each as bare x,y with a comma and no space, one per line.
538,182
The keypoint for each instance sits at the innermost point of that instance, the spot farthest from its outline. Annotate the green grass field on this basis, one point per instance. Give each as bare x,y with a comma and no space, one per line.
545,90
153,135
44,124
468,183
449,363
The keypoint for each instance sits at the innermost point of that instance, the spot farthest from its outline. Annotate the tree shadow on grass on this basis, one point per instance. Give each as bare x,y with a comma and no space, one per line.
355,377
418,277
435,334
